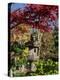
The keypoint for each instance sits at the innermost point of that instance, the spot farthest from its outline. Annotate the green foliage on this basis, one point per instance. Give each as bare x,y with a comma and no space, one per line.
55,36
43,68
17,48
47,67
22,61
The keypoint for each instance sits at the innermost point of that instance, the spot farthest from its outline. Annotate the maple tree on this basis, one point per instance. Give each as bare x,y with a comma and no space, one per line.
36,15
